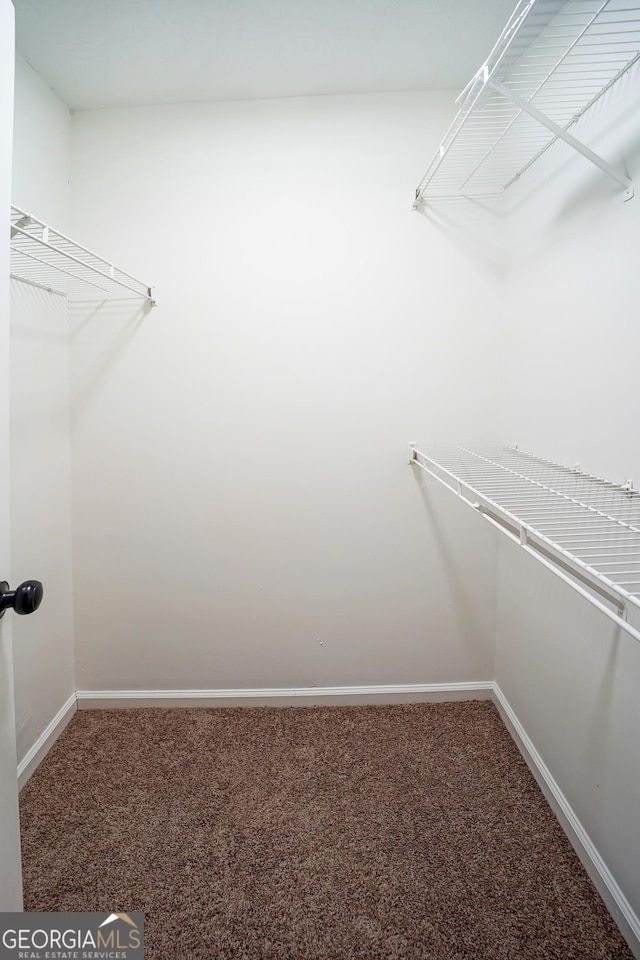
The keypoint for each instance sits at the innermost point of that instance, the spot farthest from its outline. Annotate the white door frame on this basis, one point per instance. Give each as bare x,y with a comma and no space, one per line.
10,864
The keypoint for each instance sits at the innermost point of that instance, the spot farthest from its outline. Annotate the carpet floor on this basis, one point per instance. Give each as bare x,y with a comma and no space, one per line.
331,833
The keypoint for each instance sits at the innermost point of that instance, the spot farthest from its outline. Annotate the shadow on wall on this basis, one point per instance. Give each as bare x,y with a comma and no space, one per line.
598,186
461,602
473,227
32,312
617,142
598,742
100,334
39,361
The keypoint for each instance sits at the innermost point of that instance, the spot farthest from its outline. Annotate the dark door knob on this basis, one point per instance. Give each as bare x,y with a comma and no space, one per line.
25,599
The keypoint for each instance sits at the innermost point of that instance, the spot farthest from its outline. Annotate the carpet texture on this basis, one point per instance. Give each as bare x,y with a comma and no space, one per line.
336,833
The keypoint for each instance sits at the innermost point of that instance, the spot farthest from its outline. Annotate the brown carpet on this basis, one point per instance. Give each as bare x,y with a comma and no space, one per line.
377,833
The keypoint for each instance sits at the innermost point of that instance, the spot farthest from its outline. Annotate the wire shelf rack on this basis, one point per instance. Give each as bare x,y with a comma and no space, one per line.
45,258
553,61
584,528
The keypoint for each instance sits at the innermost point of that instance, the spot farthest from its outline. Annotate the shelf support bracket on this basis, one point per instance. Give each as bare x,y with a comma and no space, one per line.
562,134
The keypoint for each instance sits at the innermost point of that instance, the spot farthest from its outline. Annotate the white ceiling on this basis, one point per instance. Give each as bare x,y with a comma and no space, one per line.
105,53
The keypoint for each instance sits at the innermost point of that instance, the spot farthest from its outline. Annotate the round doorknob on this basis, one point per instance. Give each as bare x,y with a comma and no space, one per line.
24,599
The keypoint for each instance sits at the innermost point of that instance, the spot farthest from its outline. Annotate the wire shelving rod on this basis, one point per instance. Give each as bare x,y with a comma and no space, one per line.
553,61
583,528
44,257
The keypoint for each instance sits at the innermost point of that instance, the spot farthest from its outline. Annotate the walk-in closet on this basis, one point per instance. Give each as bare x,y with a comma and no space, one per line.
320,481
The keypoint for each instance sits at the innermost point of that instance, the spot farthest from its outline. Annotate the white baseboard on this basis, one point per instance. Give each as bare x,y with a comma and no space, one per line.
602,878
285,696
46,740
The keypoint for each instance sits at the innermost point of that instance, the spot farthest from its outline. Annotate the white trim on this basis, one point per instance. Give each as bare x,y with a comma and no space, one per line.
46,740
285,696
604,881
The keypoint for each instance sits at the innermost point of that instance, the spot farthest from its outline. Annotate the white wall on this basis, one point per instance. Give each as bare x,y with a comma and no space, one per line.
40,449
243,512
571,298
572,316
41,149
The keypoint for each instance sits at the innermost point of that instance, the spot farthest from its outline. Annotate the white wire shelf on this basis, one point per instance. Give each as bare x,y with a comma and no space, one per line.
585,529
551,63
45,258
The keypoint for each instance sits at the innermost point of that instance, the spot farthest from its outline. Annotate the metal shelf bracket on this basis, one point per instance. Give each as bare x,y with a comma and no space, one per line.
562,134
